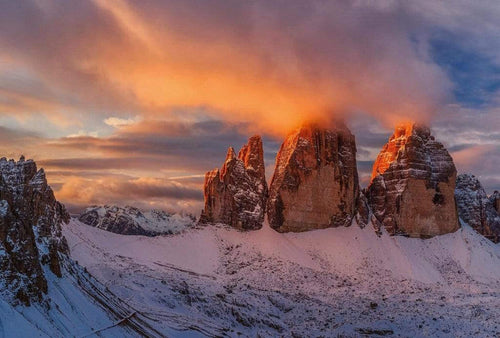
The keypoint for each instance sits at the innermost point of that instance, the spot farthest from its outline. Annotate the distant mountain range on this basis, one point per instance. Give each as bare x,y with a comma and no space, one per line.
132,221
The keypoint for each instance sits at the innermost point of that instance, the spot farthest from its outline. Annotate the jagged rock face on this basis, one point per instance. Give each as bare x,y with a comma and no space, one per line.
133,221
363,210
236,195
315,182
495,200
30,229
475,208
413,183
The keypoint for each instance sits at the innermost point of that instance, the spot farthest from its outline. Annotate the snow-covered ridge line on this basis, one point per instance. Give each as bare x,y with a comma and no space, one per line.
129,220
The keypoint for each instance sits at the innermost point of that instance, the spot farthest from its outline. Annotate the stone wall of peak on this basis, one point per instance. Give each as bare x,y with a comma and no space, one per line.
413,184
30,230
315,182
236,195
495,200
475,208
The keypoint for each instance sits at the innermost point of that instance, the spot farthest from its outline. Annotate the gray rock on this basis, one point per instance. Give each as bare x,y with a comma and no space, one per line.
475,208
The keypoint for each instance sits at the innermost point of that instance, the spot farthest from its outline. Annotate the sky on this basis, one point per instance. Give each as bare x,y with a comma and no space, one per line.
131,102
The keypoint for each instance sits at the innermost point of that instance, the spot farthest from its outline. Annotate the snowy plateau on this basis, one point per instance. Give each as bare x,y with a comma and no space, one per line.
216,281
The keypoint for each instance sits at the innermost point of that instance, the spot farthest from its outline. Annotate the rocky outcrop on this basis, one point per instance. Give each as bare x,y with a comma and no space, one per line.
413,183
30,230
363,210
315,182
475,208
133,221
495,200
236,194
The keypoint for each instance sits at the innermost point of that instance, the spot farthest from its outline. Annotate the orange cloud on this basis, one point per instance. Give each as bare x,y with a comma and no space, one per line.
257,62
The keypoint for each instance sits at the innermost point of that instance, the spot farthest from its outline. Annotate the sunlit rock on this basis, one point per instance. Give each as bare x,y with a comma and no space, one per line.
236,194
315,182
413,183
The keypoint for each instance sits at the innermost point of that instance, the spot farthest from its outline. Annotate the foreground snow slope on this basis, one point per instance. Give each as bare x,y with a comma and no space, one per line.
76,305
219,281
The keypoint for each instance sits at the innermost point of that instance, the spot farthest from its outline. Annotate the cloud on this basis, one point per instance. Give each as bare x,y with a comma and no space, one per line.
117,122
163,88
259,62
148,193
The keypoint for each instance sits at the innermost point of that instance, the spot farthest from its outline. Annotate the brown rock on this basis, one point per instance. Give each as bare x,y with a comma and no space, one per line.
30,218
236,194
413,183
315,182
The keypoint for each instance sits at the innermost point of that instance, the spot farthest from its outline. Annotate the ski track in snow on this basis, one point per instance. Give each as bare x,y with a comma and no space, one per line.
217,281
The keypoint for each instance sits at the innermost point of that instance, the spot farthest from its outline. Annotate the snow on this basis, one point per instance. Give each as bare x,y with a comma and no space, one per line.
152,221
4,208
215,280
190,250
72,307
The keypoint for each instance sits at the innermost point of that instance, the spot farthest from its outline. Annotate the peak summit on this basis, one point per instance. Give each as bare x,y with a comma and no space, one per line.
403,133
30,230
413,183
315,182
236,195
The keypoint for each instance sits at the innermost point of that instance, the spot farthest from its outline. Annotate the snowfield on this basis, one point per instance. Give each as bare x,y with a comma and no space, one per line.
217,281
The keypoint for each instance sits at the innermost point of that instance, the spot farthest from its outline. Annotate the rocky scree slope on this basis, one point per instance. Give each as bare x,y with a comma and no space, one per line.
236,194
413,184
475,208
133,221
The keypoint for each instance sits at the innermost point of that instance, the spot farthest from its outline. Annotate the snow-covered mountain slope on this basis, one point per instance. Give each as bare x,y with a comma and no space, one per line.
132,221
76,305
217,281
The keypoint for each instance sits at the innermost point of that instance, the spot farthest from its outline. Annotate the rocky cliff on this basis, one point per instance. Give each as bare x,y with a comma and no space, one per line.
133,221
30,230
495,200
413,183
475,208
236,194
315,182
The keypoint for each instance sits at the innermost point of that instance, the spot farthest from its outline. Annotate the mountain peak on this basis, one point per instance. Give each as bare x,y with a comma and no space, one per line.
236,195
315,182
30,230
413,182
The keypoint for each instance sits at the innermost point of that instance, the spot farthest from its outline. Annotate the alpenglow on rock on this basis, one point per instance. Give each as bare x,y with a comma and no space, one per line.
475,208
315,182
236,194
30,230
413,184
